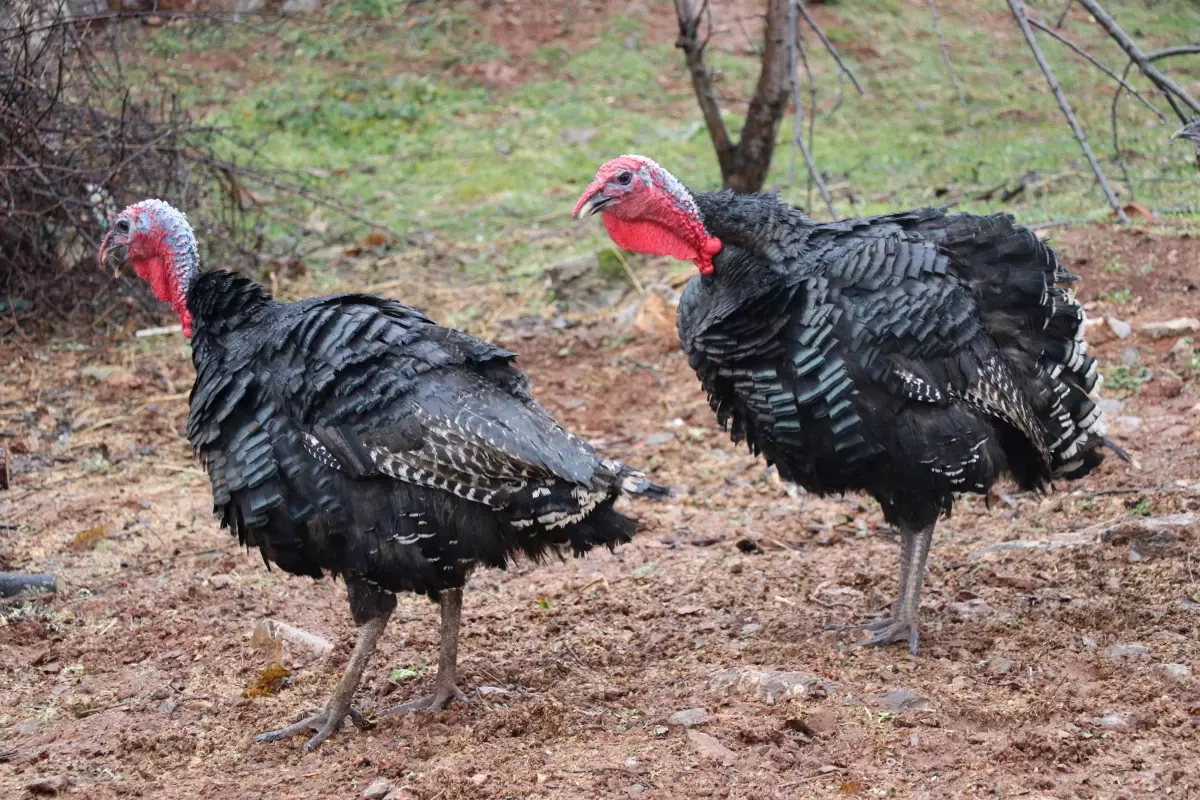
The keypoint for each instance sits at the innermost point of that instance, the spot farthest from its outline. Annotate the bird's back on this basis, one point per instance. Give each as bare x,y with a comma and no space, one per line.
351,434
911,355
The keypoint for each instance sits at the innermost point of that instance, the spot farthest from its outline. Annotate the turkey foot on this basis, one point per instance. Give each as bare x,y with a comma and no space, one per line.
887,631
329,719
323,722
445,688
904,624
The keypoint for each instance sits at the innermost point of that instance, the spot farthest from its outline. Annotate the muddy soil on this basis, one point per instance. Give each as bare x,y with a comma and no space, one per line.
1043,669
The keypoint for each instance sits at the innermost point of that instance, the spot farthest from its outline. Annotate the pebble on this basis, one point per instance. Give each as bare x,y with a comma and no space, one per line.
1116,721
1154,535
975,608
708,747
378,788
484,691
220,581
1120,327
1127,424
999,665
1131,356
1088,642
1174,673
1172,327
49,786
902,700
167,706
689,717
614,692
1120,651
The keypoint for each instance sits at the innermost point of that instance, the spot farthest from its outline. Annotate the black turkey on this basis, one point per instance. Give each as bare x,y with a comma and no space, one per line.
912,356
351,435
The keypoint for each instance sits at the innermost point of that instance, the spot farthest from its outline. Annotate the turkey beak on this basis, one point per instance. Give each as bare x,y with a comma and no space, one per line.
1190,131
594,203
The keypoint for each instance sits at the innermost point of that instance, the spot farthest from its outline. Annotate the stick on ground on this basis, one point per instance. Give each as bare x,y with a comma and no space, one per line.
14,583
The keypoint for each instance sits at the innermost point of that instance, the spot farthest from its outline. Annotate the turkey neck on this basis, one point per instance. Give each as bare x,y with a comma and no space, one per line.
220,301
758,233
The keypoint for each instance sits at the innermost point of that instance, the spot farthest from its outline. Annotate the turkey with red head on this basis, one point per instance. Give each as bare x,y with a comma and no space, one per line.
912,356
352,435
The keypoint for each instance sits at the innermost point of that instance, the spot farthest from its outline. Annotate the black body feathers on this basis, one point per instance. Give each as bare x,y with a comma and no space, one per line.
911,355
350,434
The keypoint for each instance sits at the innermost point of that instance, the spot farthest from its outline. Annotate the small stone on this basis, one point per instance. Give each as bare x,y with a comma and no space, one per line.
220,581
1117,721
822,722
708,747
689,717
1181,354
49,786
378,788
1131,356
974,609
1172,327
1088,642
485,691
614,692
1153,536
167,706
1120,328
1174,673
999,665
902,700
479,778
1111,406
656,439
1126,651
750,627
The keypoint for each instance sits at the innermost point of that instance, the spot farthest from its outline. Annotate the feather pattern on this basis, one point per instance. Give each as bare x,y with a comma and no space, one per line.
911,355
350,434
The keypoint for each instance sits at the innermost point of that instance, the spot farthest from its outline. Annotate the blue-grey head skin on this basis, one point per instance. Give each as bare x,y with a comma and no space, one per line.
158,241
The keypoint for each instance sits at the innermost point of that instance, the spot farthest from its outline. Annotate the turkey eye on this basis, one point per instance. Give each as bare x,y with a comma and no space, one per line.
624,178
123,226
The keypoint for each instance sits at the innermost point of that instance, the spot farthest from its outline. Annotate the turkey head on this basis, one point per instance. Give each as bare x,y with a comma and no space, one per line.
158,240
647,210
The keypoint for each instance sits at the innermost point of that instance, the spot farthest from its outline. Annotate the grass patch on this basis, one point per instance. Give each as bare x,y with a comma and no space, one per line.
378,97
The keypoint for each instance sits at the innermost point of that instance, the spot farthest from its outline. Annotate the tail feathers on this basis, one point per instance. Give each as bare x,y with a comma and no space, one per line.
636,483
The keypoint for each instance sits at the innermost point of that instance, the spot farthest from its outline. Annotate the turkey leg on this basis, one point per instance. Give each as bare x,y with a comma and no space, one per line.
329,719
445,687
904,624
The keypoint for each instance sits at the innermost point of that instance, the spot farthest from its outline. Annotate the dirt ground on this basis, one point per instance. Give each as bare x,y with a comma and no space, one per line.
131,680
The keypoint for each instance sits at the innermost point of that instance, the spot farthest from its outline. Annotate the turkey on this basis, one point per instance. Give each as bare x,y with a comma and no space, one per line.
351,435
912,356
1191,132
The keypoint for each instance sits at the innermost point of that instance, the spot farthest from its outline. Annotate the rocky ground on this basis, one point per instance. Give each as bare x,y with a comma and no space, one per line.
1057,659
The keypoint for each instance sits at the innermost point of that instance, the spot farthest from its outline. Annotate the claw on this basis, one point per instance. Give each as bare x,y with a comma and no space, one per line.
429,703
321,722
887,631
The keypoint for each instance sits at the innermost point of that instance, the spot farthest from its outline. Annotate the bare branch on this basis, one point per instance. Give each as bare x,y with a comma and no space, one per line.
962,98
1063,16
1140,58
1079,50
693,49
812,110
798,120
1018,10
828,45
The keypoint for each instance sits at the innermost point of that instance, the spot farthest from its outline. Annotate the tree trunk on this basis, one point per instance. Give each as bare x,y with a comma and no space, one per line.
744,165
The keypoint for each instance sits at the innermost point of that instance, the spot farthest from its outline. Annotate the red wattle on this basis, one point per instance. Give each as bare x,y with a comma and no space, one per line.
643,236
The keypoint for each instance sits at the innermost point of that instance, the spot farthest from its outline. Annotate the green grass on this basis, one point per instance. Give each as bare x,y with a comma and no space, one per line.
368,98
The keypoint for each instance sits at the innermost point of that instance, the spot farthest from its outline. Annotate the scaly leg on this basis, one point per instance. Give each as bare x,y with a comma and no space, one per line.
445,687
904,623
329,719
